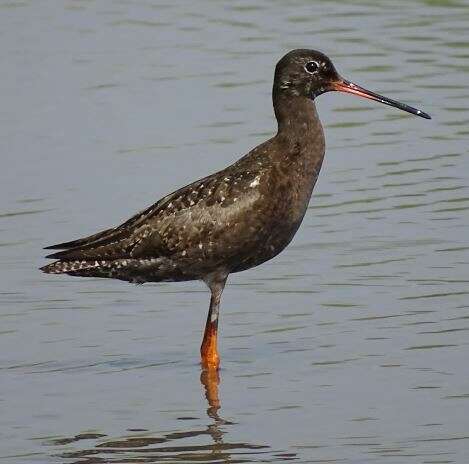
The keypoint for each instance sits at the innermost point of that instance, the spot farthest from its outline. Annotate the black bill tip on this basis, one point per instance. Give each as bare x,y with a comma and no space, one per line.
349,87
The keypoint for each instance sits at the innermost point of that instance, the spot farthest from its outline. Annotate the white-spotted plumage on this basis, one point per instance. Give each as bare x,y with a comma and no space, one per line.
232,220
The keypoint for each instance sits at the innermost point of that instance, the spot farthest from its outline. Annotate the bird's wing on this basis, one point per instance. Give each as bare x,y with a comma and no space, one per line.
81,241
112,243
160,229
109,235
205,220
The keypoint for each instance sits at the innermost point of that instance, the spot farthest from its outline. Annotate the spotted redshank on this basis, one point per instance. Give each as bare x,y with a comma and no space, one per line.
234,219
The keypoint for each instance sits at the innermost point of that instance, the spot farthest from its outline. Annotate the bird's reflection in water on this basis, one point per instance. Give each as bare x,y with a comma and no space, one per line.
210,379
142,448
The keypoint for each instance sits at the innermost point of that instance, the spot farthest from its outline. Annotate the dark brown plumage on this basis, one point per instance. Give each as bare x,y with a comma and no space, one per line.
234,219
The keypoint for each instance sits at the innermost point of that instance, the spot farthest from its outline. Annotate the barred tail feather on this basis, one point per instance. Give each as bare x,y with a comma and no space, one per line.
64,267
131,270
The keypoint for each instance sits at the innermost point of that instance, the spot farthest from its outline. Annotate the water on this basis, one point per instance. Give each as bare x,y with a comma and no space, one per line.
351,346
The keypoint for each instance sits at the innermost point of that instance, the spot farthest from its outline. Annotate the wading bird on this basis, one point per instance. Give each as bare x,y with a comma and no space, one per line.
231,220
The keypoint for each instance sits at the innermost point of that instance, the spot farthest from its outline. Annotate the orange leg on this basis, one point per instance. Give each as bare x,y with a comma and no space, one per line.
209,349
210,358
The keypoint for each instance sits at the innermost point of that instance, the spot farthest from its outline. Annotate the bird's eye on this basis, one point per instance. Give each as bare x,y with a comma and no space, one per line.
311,67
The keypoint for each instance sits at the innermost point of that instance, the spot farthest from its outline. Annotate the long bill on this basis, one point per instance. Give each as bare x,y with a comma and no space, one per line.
349,87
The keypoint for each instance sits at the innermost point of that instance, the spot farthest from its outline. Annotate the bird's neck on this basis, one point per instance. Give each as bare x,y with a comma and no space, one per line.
296,117
299,125
298,153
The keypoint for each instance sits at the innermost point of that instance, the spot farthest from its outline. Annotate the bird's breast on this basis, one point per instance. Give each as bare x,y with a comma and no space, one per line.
283,198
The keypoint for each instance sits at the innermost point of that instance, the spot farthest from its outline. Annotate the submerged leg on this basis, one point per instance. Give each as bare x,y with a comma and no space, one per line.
208,350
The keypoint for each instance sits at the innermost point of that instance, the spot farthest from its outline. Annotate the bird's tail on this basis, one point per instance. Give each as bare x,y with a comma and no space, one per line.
77,267
122,269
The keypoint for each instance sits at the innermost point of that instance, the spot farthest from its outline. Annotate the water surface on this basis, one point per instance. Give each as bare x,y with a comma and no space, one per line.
351,346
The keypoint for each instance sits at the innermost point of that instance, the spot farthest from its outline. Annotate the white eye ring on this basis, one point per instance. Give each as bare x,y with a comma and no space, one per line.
312,67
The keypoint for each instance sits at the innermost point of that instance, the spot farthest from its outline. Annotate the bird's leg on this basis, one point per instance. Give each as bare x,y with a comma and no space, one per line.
209,351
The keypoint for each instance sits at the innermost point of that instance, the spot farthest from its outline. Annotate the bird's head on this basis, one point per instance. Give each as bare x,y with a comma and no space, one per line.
309,73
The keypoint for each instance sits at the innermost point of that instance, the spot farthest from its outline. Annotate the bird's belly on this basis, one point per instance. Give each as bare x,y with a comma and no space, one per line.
268,245
271,229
